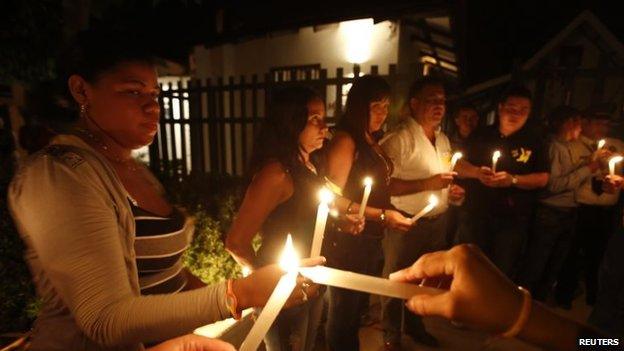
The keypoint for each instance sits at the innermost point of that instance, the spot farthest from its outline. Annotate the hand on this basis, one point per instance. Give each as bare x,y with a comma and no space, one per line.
612,183
440,181
192,342
502,180
456,194
479,295
350,223
395,220
486,176
255,289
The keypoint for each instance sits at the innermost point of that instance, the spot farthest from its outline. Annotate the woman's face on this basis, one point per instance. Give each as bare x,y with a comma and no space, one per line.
378,112
124,103
312,136
572,128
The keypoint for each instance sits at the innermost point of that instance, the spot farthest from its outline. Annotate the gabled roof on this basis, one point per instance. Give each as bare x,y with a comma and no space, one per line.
615,47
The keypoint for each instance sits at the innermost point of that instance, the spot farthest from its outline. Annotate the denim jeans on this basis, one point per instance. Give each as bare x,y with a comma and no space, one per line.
401,250
295,328
360,254
548,246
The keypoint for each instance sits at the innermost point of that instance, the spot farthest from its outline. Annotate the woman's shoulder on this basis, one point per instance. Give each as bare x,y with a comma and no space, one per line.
342,141
273,174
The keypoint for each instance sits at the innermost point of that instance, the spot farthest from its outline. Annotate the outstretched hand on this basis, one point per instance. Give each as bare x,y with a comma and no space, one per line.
479,294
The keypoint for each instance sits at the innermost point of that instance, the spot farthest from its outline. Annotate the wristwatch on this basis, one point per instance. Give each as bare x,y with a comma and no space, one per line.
514,180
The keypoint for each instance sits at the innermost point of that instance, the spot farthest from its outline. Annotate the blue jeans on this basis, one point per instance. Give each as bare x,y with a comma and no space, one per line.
295,328
548,247
401,250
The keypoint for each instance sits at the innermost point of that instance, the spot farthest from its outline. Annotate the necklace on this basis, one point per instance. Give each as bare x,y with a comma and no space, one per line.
128,163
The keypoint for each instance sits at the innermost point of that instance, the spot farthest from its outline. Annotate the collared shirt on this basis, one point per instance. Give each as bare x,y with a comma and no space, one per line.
522,152
415,157
590,192
568,170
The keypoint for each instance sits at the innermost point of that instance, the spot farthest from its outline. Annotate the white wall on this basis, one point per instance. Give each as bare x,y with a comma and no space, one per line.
326,46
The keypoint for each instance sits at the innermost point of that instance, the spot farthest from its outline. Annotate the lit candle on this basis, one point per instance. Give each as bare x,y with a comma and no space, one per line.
325,197
601,143
290,263
368,185
454,159
495,156
433,202
364,283
612,161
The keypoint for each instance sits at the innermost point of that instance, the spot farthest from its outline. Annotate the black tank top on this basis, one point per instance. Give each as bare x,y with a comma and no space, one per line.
370,162
295,216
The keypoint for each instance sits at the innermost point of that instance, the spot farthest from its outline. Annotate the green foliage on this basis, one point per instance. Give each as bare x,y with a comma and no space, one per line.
213,200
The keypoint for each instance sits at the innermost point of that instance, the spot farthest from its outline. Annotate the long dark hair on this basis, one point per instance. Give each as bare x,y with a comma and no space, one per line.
356,118
287,116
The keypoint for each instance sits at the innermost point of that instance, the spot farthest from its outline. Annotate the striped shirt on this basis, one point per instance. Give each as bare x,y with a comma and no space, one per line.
159,245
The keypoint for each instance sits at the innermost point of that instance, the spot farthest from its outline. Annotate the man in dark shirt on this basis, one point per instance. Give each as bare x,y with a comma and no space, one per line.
501,209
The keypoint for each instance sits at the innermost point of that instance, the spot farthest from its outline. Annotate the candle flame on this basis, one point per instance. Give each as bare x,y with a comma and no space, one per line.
289,260
433,200
368,181
601,143
325,195
615,159
245,271
456,157
496,155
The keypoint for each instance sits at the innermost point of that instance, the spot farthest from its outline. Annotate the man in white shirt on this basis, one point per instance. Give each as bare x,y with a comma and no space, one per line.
421,156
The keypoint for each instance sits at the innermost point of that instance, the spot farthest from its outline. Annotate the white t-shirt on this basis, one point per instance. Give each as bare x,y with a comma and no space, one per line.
415,157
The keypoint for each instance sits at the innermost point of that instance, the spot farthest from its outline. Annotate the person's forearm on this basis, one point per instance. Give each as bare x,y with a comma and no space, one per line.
532,181
568,181
345,205
552,331
242,254
403,187
466,169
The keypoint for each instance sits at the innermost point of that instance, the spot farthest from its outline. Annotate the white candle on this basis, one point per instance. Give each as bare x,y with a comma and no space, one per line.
601,143
365,283
454,159
433,202
495,156
368,185
612,161
289,262
325,197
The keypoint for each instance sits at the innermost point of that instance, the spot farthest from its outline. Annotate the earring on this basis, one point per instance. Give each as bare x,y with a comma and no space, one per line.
83,110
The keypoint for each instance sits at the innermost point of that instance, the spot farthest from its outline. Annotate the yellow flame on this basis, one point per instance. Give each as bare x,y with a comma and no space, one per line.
496,155
325,195
289,260
368,181
433,200
601,143
615,159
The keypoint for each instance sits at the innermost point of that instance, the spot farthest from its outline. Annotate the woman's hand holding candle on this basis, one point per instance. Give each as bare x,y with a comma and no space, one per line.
395,220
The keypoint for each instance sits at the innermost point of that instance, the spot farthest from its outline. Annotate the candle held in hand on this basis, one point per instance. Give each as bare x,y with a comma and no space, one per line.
495,156
326,197
289,261
364,283
433,202
454,159
368,185
612,161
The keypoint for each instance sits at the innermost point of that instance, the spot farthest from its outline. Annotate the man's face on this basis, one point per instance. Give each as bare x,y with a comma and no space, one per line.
595,129
429,104
466,121
513,113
